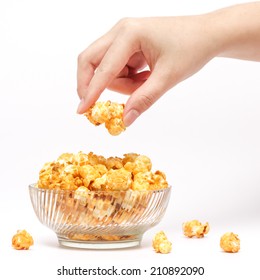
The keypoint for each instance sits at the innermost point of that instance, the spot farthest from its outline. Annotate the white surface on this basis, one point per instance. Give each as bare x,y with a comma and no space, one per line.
204,134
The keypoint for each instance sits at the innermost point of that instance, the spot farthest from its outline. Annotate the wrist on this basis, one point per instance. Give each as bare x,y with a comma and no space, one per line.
235,31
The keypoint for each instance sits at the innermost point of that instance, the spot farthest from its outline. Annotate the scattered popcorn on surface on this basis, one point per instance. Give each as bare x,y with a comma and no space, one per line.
83,172
195,228
22,240
109,113
161,244
230,242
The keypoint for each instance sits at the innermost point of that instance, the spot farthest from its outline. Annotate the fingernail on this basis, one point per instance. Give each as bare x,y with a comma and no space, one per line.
130,117
81,105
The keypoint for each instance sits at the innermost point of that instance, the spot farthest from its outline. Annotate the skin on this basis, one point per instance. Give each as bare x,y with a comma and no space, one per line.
145,57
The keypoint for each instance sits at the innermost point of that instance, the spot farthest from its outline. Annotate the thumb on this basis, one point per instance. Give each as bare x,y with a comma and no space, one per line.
146,95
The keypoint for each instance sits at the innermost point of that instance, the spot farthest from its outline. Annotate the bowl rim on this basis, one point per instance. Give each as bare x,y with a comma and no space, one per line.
33,187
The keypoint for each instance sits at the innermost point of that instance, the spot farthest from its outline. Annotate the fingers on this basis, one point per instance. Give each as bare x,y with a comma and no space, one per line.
127,83
110,65
146,95
137,61
88,61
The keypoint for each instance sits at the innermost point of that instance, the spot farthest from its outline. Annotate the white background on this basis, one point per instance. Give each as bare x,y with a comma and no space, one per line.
204,134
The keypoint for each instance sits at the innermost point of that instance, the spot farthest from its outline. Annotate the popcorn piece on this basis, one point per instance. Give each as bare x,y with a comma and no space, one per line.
81,194
195,228
130,200
161,244
149,181
119,179
22,240
100,183
109,113
114,163
140,164
91,237
142,181
95,159
230,242
103,208
89,174
115,126
130,157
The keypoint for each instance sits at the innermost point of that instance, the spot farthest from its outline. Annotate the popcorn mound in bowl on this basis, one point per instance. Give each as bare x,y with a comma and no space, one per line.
109,113
94,172
94,197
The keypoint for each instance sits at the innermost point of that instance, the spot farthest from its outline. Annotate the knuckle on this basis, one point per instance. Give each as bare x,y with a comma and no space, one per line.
80,58
146,101
106,70
128,25
79,91
84,57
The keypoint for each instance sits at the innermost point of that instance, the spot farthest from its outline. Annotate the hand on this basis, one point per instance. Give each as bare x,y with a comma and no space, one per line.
171,49
145,57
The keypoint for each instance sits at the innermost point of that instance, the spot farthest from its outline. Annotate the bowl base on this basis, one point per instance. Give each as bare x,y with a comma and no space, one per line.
100,244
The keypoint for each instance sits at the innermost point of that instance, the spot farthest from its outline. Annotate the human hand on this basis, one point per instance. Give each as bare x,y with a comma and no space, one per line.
143,57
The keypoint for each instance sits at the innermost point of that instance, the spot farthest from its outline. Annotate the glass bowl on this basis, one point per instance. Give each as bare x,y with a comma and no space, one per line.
103,219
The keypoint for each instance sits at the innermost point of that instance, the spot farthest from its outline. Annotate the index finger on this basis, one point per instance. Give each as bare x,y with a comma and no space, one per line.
114,60
88,61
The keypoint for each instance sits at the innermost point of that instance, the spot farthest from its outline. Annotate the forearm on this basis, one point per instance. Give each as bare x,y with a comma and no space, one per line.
236,31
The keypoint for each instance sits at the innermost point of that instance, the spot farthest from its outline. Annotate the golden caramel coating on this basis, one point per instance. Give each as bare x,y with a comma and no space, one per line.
161,244
100,183
95,159
159,181
22,240
101,189
109,113
139,164
130,157
142,181
119,179
90,237
230,242
195,228
114,163
94,172
115,126
149,181
81,194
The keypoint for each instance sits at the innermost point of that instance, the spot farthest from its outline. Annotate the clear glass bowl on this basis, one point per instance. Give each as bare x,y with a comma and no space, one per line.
105,220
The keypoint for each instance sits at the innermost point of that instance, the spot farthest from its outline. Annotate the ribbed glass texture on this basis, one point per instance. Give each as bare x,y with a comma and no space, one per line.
101,215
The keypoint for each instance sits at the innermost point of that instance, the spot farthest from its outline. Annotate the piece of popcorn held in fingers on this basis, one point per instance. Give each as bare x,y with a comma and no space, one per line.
108,113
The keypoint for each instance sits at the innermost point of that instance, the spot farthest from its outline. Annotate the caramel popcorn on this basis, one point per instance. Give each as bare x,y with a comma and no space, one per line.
81,194
22,240
91,237
119,179
139,164
230,242
109,113
100,190
161,244
85,172
195,228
